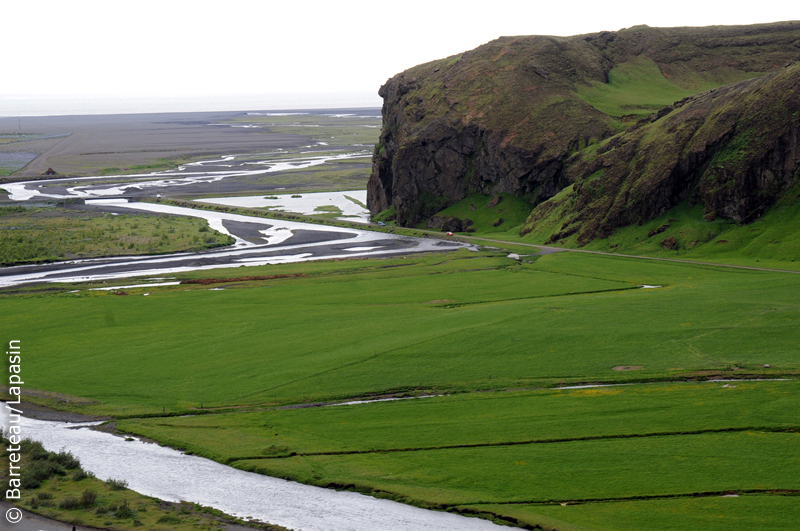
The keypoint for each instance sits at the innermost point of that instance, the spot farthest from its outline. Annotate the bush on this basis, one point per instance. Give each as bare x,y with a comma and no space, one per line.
29,482
168,519
80,474
44,495
69,503
88,498
38,471
117,484
34,449
124,511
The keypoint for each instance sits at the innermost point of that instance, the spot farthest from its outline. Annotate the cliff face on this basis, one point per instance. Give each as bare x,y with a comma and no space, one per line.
734,150
511,115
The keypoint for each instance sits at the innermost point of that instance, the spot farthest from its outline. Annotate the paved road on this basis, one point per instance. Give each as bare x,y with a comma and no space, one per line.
34,522
545,249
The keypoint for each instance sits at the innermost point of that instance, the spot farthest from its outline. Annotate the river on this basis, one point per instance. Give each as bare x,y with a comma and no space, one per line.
170,475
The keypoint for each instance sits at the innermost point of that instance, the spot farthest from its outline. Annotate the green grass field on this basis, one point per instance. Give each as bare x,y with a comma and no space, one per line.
49,234
491,337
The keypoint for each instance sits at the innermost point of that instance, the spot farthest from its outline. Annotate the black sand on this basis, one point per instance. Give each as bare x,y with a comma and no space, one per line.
93,142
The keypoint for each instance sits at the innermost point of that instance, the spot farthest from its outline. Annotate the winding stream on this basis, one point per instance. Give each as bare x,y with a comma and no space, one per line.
173,476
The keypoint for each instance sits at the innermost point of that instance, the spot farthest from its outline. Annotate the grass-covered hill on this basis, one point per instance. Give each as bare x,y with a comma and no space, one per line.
734,150
529,116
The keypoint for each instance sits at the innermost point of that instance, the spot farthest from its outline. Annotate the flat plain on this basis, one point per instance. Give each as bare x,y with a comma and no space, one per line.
489,337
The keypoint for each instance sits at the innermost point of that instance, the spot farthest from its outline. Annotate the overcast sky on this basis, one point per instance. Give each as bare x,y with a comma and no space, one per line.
176,47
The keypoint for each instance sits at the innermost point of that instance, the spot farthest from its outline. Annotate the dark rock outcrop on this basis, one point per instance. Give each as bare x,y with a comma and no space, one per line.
448,223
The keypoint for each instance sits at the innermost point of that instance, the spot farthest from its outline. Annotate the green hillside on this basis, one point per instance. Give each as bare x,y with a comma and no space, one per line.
508,115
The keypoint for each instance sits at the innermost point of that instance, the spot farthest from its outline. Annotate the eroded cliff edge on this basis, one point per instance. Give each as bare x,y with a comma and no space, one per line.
535,115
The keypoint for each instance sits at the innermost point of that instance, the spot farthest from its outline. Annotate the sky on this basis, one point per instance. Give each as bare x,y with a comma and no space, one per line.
177,48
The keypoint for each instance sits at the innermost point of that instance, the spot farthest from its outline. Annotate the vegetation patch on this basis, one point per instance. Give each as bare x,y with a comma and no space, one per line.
50,234
490,214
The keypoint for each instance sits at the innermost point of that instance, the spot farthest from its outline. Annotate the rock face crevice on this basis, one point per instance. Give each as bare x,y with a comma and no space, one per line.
525,116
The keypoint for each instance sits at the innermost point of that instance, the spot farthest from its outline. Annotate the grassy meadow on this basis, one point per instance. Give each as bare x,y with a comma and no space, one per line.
491,338
46,234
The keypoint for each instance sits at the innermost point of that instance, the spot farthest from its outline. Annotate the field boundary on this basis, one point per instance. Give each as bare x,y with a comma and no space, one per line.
644,497
762,429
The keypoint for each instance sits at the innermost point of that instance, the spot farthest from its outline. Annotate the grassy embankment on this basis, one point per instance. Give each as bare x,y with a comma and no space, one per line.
31,235
772,241
682,233
55,486
481,328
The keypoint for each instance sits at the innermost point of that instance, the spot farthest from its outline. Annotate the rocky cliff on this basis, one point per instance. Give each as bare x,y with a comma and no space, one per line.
534,115
734,150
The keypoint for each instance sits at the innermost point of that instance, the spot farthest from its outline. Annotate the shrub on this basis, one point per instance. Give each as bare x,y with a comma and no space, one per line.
34,449
44,495
38,471
168,519
88,498
29,482
80,474
117,484
124,511
69,503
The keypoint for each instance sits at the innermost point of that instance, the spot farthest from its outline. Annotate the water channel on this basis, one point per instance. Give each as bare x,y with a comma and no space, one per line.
170,475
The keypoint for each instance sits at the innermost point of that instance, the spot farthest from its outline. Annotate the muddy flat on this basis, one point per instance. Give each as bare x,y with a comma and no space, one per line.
86,145
92,143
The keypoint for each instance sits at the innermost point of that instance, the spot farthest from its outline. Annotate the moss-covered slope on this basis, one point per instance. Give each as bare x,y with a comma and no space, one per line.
734,150
505,117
